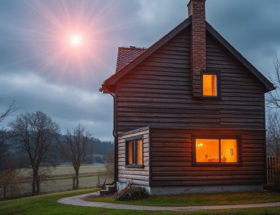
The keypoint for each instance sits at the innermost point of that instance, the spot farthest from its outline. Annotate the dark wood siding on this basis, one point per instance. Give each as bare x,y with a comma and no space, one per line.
136,175
158,92
171,159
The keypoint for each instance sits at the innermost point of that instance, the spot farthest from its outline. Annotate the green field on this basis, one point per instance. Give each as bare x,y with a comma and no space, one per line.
47,205
67,170
60,179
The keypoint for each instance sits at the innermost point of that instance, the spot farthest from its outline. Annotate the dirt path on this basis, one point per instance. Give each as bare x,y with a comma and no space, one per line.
78,201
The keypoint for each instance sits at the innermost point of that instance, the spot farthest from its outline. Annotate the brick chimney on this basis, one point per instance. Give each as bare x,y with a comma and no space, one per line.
198,43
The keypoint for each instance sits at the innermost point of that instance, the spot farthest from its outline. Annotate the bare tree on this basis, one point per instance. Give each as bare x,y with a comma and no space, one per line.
37,135
273,133
10,179
6,161
76,149
109,164
8,111
5,158
274,96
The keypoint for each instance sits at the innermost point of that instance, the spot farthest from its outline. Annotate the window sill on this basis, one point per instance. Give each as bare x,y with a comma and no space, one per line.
217,164
134,166
211,97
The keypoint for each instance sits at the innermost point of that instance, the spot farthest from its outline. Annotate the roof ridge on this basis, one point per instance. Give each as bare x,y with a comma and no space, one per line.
132,47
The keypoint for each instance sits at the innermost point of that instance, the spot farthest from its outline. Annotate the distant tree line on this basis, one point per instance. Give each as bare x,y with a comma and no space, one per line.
33,140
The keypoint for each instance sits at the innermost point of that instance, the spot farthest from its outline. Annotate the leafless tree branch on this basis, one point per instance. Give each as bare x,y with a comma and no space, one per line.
37,135
11,109
76,148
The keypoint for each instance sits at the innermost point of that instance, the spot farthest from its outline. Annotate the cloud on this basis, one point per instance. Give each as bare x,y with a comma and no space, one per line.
33,72
67,104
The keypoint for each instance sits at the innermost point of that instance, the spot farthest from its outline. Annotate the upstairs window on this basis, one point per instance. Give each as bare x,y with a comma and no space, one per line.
210,82
216,151
134,152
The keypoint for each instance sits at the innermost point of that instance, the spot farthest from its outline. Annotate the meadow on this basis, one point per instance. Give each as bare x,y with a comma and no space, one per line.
60,179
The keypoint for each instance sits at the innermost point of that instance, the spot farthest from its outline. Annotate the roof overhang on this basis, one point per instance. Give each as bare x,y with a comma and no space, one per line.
109,84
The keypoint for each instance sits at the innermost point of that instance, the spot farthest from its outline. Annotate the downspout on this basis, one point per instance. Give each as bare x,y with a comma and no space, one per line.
115,143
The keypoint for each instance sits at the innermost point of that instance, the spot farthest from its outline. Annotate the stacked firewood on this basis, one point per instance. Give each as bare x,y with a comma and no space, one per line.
131,193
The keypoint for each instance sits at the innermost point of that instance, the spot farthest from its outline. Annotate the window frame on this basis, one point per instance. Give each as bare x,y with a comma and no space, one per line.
212,72
220,137
134,151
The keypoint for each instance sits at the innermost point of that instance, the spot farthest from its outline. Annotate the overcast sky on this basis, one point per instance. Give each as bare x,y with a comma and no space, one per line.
40,72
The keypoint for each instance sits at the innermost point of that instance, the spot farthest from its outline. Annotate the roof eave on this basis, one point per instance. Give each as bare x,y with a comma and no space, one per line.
115,77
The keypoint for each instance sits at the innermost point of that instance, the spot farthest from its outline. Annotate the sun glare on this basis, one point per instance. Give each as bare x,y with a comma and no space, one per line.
76,40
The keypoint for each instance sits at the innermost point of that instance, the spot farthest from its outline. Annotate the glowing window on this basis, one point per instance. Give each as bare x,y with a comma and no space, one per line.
210,85
216,151
229,151
207,150
139,152
130,152
134,152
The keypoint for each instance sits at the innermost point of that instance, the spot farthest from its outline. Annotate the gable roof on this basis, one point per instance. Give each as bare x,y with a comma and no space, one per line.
126,55
268,85
109,84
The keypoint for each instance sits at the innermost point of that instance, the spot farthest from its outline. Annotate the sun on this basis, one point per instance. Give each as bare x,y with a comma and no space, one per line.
76,40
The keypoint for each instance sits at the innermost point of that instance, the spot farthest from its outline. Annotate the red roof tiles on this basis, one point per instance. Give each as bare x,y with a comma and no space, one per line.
126,55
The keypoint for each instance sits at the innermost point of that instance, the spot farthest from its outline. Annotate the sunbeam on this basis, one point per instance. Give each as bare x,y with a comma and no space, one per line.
70,42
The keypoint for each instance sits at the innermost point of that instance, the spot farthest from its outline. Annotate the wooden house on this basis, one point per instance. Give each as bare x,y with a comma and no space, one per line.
189,113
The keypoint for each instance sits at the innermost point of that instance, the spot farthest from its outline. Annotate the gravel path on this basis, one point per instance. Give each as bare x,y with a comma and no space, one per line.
78,201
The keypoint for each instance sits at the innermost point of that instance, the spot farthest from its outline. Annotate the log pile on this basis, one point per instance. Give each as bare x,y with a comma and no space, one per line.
131,193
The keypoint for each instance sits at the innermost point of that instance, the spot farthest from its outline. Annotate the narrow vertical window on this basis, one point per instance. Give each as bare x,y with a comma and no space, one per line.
229,151
134,153
210,85
139,152
130,152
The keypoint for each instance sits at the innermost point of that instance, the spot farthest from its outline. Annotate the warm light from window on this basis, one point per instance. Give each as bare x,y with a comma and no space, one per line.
130,152
229,151
216,151
207,150
139,152
210,85
134,152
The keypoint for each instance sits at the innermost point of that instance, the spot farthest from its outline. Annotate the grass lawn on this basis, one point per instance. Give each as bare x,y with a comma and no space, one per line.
198,199
47,204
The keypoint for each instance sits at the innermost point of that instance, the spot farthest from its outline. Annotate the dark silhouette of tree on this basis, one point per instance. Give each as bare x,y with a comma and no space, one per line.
37,135
6,161
10,178
77,149
109,163
274,96
8,111
273,134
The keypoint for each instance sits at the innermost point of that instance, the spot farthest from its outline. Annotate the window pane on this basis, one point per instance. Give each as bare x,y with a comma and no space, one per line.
210,85
207,150
139,152
130,152
229,151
